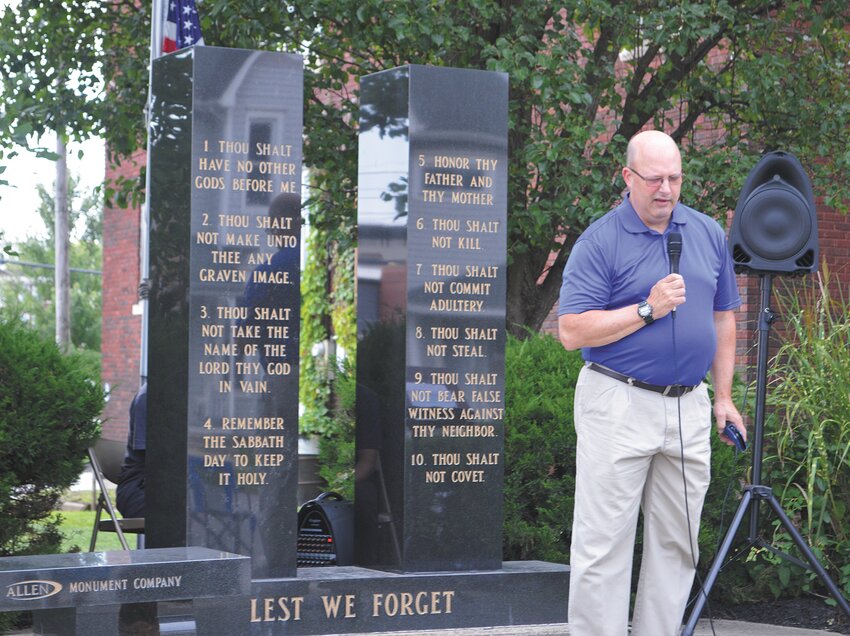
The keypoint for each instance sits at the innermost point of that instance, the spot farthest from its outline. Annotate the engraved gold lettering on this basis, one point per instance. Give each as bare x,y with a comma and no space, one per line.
443,179
206,238
467,430
333,603
209,183
205,163
240,147
273,150
209,275
233,220
410,603
251,185
248,240
445,161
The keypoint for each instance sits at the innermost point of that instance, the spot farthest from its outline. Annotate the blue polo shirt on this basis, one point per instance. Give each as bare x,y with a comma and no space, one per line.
615,263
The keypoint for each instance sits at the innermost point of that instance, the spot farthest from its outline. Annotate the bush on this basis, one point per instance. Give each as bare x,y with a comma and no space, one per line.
540,458
540,447
48,417
336,449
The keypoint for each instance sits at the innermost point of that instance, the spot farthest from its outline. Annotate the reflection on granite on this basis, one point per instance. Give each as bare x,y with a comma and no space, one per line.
224,303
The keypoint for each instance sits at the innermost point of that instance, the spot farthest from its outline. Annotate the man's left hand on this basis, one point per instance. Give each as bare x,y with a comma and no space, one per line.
725,411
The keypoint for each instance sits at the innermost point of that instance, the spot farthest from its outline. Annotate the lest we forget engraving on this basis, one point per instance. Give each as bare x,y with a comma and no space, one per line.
431,319
226,128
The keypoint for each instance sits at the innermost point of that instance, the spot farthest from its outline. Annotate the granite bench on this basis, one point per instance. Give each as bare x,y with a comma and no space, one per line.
83,593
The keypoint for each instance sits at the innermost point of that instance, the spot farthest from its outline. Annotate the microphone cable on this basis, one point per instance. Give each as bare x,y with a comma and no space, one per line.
674,251
684,478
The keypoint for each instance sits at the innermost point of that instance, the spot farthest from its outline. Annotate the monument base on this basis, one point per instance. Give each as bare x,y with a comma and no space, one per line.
351,600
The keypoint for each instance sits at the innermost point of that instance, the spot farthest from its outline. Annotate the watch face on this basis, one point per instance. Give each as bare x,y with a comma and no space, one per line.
644,310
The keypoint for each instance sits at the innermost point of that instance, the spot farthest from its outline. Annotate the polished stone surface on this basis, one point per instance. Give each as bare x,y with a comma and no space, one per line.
93,593
224,304
349,600
431,284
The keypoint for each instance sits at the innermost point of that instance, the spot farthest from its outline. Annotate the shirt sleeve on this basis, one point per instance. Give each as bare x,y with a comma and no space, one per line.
727,296
586,283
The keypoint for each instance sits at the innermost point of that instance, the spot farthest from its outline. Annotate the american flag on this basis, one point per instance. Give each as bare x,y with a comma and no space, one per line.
181,28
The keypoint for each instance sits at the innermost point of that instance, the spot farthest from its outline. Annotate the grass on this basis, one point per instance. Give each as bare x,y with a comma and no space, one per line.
77,527
76,533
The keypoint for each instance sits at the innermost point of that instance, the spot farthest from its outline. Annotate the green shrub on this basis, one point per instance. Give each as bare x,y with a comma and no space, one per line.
48,417
539,448
49,404
336,449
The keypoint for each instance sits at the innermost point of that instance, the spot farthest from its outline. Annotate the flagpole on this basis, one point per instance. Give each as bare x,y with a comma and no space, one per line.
144,222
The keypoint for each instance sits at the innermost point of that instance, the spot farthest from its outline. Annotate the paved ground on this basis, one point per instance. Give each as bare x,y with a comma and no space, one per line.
721,628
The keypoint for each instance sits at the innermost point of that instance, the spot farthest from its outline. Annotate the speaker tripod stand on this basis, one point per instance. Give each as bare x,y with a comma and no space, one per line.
755,493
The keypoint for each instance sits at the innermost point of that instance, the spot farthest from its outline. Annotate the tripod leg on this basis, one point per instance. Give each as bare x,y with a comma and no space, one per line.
807,552
719,559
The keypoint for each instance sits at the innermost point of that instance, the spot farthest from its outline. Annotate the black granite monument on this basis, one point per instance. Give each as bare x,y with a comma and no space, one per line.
432,216
222,456
222,397
430,377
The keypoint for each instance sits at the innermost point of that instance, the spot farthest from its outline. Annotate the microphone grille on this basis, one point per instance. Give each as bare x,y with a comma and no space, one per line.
674,243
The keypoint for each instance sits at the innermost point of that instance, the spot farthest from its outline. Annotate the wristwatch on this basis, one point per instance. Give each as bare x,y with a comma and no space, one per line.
645,312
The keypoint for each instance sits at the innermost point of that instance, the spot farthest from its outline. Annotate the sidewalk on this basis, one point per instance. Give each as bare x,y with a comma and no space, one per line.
721,628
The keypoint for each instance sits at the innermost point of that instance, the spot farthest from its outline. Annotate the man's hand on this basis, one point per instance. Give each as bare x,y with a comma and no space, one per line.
666,294
725,411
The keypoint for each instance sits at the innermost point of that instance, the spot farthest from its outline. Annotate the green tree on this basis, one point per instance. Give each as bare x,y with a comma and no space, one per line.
45,89
584,76
26,292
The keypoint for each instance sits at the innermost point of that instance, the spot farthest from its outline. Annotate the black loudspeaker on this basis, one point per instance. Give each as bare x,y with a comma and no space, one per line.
326,532
775,228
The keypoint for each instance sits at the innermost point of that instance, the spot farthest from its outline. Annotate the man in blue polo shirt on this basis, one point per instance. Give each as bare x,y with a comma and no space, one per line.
642,413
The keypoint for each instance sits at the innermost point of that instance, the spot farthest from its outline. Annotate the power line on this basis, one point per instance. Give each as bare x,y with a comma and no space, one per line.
5,261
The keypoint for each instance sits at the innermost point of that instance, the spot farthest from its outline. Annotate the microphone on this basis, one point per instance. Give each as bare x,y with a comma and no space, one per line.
674,251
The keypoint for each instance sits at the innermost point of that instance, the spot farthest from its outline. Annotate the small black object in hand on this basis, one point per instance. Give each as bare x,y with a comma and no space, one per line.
732,433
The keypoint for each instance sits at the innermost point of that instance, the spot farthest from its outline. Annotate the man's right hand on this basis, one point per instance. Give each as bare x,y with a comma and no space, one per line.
666,294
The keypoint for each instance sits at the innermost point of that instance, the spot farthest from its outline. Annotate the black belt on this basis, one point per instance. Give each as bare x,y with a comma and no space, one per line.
671,390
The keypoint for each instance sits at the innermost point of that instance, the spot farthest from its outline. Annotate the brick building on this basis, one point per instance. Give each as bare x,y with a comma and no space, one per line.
122,321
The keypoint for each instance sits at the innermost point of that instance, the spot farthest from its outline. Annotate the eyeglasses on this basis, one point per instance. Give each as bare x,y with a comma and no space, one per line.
655,182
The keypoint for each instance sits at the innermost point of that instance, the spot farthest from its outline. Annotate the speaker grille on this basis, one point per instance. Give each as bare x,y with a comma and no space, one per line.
775,222
740,256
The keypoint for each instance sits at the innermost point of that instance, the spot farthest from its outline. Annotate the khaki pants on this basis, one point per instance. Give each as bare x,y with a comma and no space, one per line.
629,457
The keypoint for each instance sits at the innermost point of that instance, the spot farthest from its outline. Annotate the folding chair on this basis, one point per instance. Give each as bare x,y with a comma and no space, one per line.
106,457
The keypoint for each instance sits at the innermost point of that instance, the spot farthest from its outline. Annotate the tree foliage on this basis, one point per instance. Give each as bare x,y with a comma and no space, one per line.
27,292
59,71
585,75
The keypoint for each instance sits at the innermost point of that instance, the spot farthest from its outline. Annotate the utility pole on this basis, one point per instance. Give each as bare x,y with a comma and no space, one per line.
62,273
